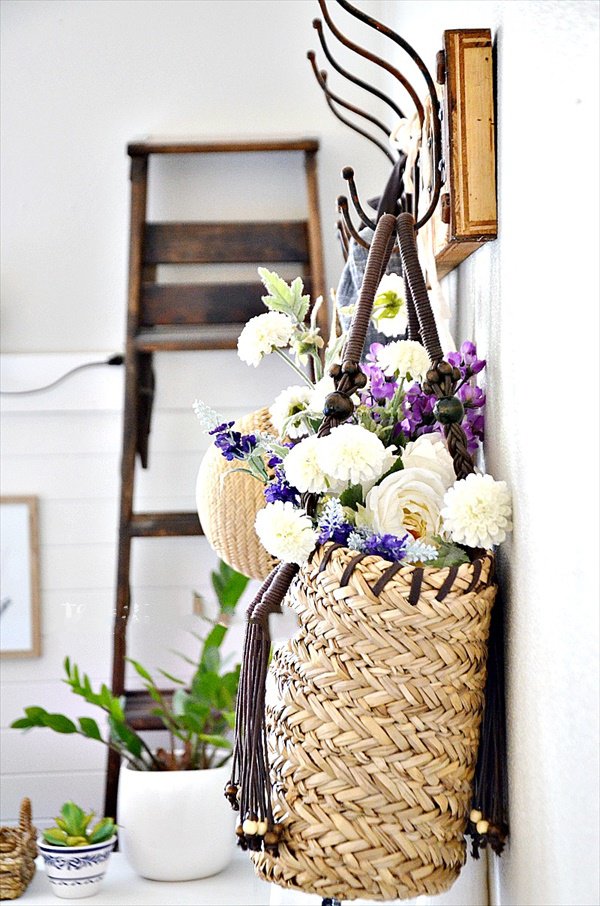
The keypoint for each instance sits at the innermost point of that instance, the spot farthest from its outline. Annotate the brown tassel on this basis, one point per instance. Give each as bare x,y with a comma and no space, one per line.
249,789
490,791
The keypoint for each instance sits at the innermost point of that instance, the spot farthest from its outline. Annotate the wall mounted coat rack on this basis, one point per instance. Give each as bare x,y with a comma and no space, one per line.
446,167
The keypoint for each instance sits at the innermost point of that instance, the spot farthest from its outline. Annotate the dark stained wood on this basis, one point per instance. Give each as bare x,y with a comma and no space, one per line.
157,145
226,243
188,337
203,303
162,525
173,317
138,705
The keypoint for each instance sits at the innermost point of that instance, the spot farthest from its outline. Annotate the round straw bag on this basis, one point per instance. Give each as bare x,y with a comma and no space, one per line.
374,728
228,502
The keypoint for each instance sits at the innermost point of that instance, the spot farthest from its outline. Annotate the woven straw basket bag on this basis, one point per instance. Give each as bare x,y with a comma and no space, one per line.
18,849
228,502
364,768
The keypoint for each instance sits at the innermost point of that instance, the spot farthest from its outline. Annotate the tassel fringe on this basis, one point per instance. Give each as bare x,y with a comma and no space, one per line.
249,788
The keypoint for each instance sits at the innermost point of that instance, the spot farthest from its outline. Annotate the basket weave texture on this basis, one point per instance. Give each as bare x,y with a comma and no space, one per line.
18,850
228,502
373,736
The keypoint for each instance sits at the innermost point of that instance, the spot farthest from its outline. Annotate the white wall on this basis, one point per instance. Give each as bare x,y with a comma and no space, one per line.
80,80
530,300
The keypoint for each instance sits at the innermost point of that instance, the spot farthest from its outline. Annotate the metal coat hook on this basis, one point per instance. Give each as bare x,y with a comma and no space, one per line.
332,99
318,26
348,175
342,203
373,58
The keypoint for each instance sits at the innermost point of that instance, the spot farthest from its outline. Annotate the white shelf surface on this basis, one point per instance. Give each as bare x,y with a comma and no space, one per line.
236,886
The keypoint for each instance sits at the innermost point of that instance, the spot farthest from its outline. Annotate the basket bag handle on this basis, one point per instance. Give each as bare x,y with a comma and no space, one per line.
442,377
249,788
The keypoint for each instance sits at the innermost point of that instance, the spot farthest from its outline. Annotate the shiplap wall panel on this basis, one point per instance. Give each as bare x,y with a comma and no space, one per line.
64,446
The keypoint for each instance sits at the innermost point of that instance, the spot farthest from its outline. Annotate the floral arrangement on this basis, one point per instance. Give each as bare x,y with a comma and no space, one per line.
384,479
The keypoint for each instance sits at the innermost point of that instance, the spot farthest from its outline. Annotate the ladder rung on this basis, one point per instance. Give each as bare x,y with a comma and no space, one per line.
178,145
226,243
157,525
169,339
138,705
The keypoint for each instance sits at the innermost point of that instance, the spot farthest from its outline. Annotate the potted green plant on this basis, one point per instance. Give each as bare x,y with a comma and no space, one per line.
76,851
178,786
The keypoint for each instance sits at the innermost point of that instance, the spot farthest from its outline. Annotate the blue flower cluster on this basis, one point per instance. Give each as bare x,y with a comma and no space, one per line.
279,487
233,444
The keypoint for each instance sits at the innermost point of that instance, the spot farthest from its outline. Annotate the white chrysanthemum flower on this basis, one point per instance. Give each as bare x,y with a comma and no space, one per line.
477,511
430,452
404,358
389,307
286,532
262,334
352,454
291,404
302,468
406,501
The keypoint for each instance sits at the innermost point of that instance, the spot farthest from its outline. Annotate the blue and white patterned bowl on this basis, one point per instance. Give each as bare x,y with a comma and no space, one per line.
76,871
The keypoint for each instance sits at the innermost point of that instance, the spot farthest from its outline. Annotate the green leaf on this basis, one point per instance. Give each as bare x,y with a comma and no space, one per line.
127,736
215,638
352,497
397,466
59,723
23,723
288,299
180,699
229,586
205,687
141,671
449,555
74,819
219,742
103,830
211,660
54,836
90,728
171,678
230,718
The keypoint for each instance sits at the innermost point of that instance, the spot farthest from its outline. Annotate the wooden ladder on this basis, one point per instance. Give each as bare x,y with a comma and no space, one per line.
189,316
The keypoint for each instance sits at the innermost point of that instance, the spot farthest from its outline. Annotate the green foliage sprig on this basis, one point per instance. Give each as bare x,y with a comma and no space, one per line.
198,716
72,828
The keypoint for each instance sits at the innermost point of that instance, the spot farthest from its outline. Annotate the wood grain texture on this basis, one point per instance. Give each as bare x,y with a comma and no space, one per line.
226,243
469,148
174,145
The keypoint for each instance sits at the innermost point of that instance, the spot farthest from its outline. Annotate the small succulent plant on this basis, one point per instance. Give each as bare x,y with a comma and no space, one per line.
72,828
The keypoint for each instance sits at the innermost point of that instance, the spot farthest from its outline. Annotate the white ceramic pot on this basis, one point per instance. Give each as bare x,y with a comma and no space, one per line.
175,825
76,871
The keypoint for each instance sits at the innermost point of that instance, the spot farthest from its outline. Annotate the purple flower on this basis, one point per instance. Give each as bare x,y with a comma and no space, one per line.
417,411
233,444
466,360
472,397
332,523
390,547
380,387
279,488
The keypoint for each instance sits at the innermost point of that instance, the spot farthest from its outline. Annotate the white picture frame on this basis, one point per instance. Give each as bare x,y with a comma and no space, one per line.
20,634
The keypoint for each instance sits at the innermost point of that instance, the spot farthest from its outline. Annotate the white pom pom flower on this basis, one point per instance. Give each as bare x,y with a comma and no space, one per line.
389,307
286,532
404,359
302,468
262,334
287,411
351,454
477,511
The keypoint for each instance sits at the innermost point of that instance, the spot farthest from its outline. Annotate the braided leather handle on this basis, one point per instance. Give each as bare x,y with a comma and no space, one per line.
442,378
